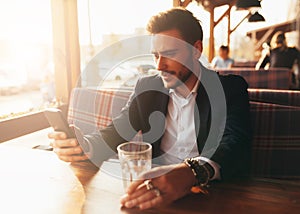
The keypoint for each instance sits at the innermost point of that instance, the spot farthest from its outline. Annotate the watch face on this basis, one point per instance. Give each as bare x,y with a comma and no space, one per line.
203,177
202,172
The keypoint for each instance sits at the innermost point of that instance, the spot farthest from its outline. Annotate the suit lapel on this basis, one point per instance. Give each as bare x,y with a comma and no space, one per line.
202,117
162,100
156,101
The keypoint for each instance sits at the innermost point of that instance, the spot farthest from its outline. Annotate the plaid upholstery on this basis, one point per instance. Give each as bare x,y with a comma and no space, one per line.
274,78
93,109
282,97
276,143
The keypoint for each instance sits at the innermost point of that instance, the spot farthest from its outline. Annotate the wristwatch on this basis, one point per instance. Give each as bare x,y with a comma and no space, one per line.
200,169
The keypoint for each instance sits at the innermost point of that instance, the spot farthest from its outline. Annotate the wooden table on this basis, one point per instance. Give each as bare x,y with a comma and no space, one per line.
35,181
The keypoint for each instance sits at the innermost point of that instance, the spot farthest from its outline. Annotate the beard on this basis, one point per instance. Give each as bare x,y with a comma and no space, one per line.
175,79
172,79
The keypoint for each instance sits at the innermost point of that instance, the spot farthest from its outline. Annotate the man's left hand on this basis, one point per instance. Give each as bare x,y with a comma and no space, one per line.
167,184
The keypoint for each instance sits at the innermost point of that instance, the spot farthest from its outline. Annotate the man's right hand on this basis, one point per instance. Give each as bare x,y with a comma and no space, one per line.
67,150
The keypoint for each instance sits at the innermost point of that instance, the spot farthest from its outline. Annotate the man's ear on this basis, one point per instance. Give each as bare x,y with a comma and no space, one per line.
198,48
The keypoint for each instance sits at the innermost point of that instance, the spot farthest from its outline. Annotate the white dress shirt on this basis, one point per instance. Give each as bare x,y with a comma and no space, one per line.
180,141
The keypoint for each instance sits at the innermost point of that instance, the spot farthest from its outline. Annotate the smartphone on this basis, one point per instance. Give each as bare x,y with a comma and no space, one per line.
58,122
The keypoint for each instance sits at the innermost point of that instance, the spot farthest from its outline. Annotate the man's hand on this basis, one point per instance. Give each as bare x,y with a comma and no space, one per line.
173,182
67,150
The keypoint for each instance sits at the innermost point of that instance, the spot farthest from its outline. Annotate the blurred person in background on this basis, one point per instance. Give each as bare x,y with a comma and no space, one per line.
280,56
223,60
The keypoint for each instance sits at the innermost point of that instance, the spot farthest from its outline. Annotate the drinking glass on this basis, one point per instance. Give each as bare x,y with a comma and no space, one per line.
135,159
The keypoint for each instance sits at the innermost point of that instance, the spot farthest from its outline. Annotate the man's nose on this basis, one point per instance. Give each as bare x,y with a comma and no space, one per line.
161,63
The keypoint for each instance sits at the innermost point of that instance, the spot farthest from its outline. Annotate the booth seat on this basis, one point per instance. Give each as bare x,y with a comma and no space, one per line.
276,129
244,64
276,140
273,78
276,96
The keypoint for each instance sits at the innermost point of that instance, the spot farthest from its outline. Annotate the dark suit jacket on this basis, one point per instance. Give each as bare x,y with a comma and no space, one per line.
147,108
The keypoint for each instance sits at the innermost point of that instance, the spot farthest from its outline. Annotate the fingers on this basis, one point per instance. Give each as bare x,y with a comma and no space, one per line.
57,135
143,198
152,203
63,151
134,185
69,154
73,158
65,143
69,149
138,192
144,201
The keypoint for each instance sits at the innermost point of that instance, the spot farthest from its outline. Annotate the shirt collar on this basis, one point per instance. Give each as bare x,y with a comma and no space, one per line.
193,91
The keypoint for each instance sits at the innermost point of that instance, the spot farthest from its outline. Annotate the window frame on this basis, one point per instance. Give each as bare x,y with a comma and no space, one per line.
66,74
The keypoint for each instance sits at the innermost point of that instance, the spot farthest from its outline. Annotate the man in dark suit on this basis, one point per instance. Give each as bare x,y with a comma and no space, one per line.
197,121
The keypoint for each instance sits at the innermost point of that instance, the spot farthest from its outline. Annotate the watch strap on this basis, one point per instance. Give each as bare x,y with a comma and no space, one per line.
200,170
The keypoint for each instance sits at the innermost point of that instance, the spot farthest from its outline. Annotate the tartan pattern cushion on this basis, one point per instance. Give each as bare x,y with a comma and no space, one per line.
276,143
94,109
274,78
282,97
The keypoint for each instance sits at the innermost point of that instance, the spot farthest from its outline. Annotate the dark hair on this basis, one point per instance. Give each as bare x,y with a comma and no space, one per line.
224,48
180,19
280,38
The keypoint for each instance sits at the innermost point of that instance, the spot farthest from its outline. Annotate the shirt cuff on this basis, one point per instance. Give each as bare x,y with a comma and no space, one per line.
215,166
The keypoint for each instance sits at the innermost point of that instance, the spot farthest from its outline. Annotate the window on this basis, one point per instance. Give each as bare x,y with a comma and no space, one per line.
26,65
102,24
